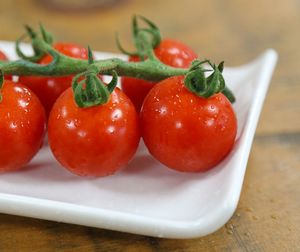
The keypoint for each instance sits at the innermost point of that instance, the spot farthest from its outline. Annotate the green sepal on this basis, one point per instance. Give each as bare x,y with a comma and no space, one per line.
38,54
90,56
91,91
229,94
195,81
78,94
47,36
113,83
145,39
85,98
206,87
121,48
153,30
216,83
221,67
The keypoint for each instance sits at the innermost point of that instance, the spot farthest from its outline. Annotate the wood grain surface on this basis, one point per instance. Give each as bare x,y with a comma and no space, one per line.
267,218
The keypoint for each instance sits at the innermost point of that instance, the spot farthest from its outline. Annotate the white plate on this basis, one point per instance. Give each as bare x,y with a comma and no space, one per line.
145,197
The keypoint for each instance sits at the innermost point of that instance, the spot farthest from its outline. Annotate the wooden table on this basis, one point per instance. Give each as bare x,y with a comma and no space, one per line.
267,218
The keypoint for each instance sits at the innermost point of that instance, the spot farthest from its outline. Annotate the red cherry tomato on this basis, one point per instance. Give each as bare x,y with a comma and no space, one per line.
170,52
22,126
48,89
4,57
184,131
95,141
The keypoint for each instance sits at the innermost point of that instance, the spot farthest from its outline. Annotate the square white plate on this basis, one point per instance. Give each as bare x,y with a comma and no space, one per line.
145,197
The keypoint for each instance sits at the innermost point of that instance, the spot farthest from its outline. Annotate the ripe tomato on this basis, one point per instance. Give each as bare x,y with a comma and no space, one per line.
48,89
184,131
22,126
95,141
170,52
4,57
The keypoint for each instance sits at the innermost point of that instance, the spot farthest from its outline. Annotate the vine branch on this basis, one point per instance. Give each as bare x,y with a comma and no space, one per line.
92,88
64,65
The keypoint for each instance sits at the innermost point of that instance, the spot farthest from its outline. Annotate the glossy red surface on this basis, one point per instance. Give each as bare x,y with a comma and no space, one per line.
22,126
184,131
95,141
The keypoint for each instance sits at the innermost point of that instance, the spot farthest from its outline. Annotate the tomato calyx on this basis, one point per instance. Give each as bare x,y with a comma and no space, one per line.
38,53
47,36
145,39
206,86
91,91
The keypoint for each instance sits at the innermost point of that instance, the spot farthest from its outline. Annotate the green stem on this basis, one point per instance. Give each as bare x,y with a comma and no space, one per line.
64,65
149,70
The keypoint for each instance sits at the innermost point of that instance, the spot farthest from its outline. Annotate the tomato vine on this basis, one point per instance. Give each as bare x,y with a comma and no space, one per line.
92,91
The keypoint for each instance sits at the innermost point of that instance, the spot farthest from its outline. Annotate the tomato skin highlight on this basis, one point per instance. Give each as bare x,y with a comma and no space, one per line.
174,53
170,52
48,89
95,141
22,126
186,132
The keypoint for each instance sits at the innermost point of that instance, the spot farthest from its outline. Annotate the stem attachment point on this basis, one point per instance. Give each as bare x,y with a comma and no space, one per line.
88,88
196,81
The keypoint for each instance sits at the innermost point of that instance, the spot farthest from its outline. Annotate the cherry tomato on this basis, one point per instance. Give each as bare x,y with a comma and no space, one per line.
22,126
170,52
95,141
48,89
184,131
4,57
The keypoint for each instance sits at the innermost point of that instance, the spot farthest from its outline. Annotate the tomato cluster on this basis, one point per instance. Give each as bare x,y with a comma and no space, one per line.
183,131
